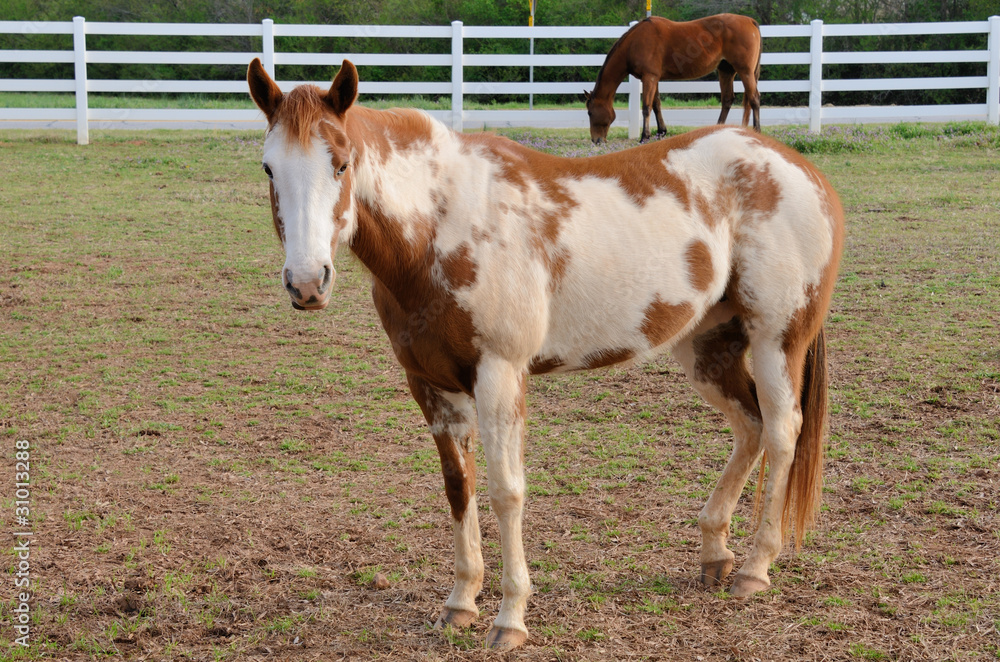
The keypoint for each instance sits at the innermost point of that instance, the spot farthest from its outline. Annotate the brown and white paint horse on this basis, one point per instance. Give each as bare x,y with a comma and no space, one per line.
491,262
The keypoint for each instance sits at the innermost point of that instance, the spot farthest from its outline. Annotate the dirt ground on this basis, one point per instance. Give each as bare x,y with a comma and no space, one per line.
216,476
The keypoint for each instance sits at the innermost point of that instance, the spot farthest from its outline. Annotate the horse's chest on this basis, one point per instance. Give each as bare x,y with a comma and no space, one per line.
432,340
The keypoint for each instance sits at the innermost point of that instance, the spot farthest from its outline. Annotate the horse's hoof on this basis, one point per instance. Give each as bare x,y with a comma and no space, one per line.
456,618
713,573
745,586
505,638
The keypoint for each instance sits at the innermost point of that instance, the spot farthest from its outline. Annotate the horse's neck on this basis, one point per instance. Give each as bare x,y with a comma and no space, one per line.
395,179
611,74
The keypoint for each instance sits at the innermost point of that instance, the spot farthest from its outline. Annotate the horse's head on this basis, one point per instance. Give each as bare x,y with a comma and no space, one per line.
307,157
601,115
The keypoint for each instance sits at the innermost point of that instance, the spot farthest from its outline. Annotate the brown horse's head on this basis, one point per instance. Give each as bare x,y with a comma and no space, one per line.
307,155
601,114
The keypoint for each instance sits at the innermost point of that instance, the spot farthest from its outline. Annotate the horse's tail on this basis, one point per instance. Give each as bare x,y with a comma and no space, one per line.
760,50
805,479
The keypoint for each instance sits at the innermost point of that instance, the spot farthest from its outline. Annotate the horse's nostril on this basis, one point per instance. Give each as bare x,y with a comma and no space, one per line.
327,274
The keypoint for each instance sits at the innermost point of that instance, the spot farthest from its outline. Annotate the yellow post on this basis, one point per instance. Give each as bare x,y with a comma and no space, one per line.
531,51
649,8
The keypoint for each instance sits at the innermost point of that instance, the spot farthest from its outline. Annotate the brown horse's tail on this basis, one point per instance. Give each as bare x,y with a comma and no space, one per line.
805,479
760,50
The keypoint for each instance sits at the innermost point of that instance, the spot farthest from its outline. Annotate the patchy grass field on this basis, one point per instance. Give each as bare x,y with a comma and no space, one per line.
217,476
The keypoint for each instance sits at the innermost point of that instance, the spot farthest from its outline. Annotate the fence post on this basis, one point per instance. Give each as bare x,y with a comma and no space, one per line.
993,74
634,103
457,75
80,75
816,76
267,46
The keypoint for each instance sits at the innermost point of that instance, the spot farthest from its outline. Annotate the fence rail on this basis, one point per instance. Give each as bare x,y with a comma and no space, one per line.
814,114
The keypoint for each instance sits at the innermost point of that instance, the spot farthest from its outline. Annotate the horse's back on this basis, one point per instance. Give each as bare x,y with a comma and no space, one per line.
691,49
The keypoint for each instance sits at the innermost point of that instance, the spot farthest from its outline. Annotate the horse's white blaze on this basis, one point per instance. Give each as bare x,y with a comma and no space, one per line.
307,192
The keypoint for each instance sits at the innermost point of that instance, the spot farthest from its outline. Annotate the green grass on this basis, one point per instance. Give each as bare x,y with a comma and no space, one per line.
148,351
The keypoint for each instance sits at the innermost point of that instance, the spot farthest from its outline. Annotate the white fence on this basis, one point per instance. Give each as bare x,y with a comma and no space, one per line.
814,114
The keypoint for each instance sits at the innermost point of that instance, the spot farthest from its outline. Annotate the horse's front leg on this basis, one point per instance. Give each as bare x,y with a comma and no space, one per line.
451,417
499,395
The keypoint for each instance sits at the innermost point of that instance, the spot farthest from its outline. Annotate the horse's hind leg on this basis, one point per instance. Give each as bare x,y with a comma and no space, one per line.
790,372
650,95
452,420
751,99
661,126
714,359
726,76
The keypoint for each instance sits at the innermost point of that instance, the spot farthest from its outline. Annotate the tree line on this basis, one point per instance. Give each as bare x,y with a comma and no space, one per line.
496,12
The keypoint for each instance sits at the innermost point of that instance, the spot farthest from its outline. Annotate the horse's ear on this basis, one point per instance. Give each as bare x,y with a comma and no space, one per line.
265,92
586,95
344,90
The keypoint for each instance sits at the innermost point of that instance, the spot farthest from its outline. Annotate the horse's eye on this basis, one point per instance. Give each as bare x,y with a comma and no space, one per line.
267,171
342,170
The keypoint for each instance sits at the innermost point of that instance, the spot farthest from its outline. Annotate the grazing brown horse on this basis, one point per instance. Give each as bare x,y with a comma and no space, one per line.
656,49
490,262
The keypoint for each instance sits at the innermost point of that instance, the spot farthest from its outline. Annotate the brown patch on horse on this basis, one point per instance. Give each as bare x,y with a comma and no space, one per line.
540,366
379,134
459,268
606,357
557,265
699,264
431,335
720,360
279,226
459,482
434,341
663,320
342,204
645,176
458,462
759,191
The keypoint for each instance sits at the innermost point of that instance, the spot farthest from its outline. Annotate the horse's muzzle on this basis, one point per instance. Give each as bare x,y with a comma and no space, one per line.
319,306
310,294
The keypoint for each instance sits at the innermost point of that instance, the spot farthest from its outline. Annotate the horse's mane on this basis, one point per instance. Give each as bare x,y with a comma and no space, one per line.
614,48
305,106
301,110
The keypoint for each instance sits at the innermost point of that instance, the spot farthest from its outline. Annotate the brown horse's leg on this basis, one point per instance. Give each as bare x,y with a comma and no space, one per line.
714,360
726,76
650,92
661,126
751,98
452,420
